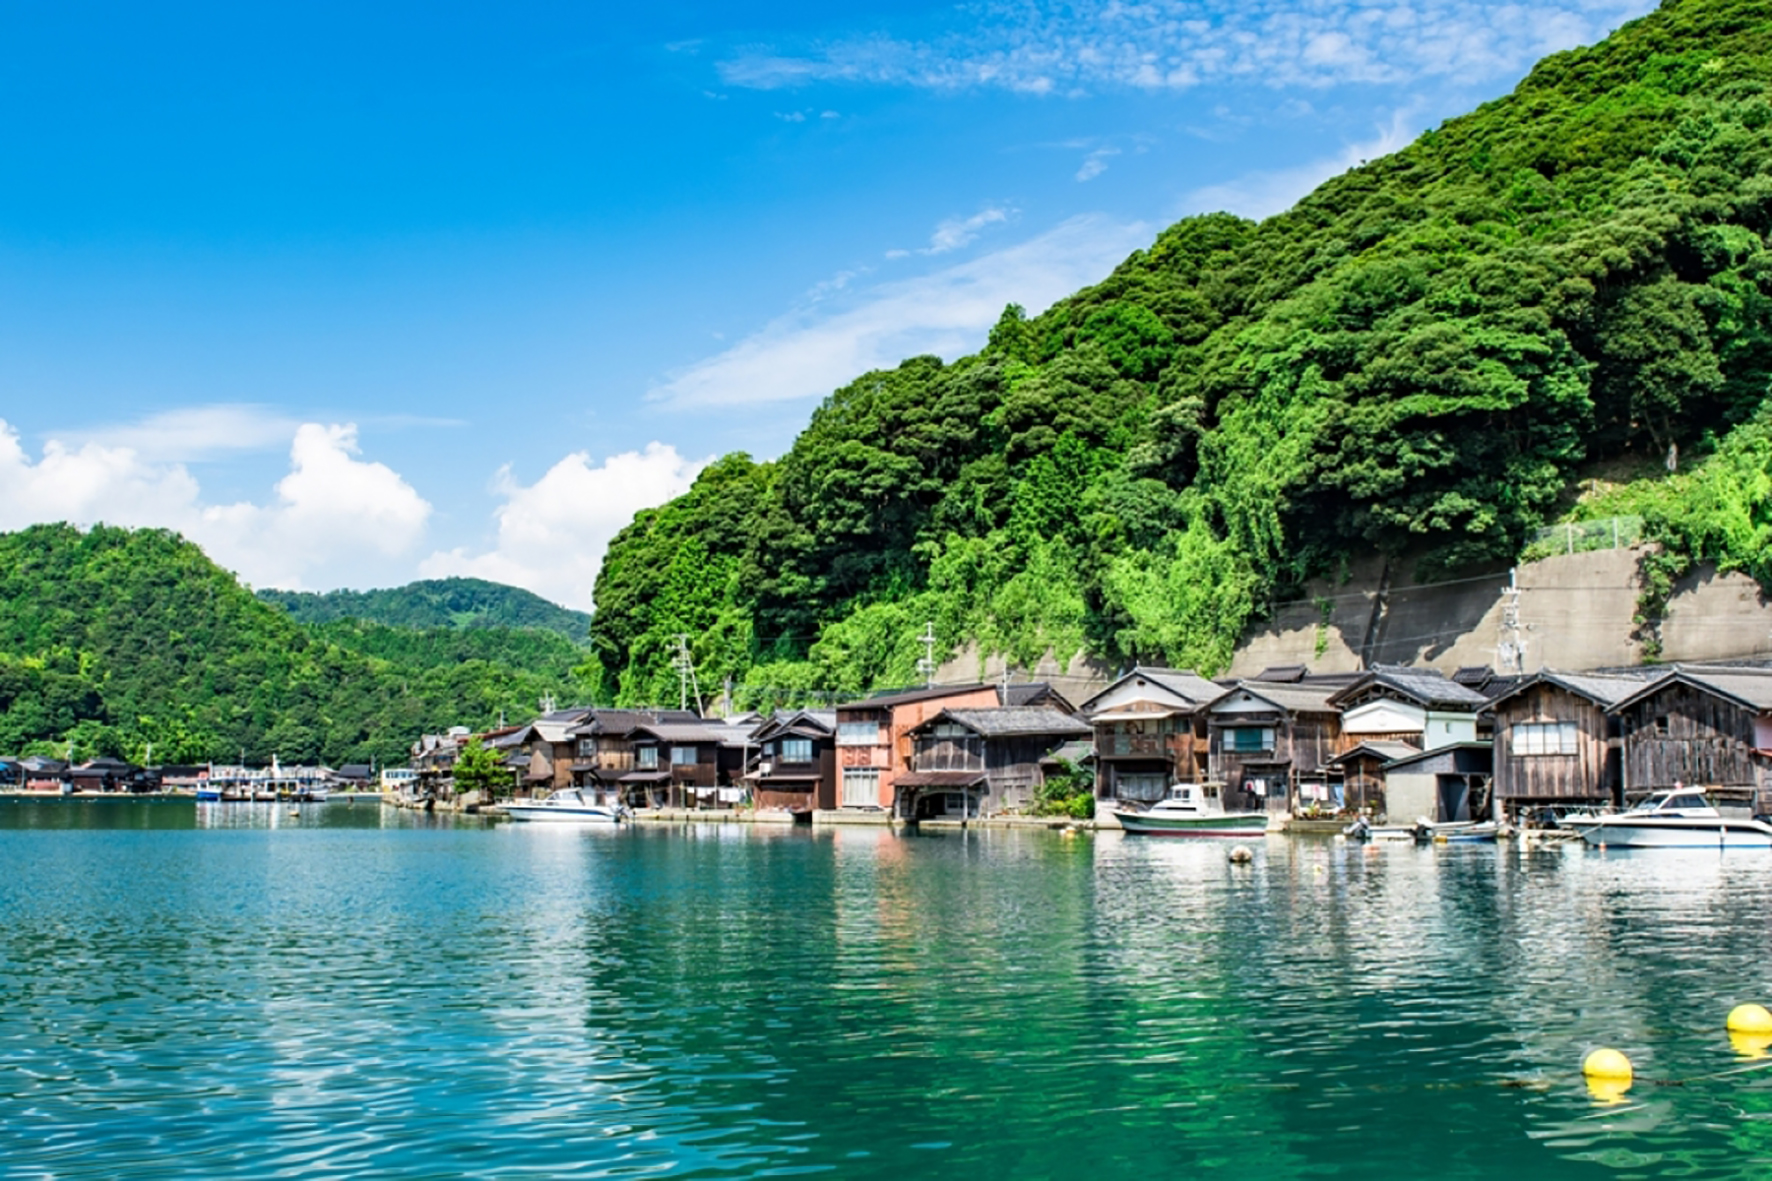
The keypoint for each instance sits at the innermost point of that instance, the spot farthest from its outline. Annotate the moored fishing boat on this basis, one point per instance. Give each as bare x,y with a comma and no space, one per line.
1681,818
568,804
1192,810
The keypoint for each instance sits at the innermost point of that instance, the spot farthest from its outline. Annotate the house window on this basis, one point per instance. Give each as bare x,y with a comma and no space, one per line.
1248,739
1660,727
858,733
861,787
682,756
1543,738
796,750
646,758
587,746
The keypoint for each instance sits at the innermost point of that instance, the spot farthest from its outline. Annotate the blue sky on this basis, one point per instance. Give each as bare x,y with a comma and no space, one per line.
357,293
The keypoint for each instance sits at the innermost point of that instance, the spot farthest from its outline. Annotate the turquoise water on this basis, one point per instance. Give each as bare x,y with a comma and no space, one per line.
360,992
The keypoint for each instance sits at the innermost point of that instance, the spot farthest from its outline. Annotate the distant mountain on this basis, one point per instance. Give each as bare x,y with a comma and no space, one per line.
131,642
438,602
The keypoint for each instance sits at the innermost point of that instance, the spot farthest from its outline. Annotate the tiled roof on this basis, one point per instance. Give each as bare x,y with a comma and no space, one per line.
1012,720
1604,689
1184,684
1747,686
1426,687
911,696
1291,698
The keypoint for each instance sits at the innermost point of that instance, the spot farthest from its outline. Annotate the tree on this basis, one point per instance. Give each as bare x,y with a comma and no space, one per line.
477,768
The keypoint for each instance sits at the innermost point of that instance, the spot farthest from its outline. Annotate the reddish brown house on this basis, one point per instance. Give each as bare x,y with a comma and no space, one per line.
874,743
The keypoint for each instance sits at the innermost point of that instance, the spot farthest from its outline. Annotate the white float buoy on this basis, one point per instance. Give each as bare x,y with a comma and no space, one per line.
1241,855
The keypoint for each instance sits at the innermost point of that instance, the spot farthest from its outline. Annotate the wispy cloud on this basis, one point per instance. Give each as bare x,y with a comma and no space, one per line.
191,433
956,232
1263,194
1057,47
1095,163
816,348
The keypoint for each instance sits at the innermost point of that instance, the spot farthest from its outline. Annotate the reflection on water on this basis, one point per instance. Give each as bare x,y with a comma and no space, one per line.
241,992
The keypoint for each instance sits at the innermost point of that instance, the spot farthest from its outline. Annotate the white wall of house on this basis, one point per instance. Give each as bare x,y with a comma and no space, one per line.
1384,716
1445,729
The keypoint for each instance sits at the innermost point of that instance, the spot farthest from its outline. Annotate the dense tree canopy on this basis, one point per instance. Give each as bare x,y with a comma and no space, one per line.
113,640
436,603
1421,358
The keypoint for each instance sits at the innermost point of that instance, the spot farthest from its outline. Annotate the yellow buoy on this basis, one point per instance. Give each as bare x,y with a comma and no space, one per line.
1607,1065
1752,1046
1750,1019
1608,1091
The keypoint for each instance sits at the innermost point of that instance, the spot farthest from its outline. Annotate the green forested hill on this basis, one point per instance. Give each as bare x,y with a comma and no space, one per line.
441,602
1421,357
114,639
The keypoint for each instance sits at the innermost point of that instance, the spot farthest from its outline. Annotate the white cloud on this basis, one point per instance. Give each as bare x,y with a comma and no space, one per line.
331,509
192,433
811,351
1067,46
552,533
956,232
1095,163
333,518
1263,194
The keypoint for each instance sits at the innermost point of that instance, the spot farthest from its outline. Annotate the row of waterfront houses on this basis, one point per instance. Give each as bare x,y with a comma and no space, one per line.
1399,741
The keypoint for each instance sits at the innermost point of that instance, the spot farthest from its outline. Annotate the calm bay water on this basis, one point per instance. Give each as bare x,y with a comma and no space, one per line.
233,993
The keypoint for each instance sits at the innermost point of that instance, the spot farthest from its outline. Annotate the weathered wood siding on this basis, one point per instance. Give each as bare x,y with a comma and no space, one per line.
1591,773
1685,735
1012,767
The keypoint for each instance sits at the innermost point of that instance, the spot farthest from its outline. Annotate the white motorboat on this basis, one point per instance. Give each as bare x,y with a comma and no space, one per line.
568,804
1192,810
1681,818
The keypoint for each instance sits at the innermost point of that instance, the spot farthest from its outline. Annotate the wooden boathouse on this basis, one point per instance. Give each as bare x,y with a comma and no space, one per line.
1557,742
1708,727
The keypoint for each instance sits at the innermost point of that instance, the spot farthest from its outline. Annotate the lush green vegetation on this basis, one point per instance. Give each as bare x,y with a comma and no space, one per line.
113,640
1419,358
436,603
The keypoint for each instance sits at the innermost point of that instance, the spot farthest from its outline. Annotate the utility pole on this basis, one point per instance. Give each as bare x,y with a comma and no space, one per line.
1510,649
926,665
684,664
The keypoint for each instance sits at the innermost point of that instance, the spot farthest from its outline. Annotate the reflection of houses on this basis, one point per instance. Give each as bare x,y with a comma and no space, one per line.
873,739
967,761
1556,742
795,765
1710,727
1266,738
1150,731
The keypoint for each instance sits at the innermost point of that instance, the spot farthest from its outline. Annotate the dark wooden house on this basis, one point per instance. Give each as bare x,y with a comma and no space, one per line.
1150,732
793,764
1556,742
1361,770
1707,727
1267,738
978,761
689,764
1034,693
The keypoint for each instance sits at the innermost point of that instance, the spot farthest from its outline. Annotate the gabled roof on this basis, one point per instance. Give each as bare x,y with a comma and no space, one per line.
1072,752
1034,693
1181,685
809,723
614,722
1426,687
685,732
1603,689
1014,721
1383,749
1476,751
912,696
1750,688
1309,699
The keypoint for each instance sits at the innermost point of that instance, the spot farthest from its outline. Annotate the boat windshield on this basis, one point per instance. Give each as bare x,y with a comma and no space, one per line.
1652,803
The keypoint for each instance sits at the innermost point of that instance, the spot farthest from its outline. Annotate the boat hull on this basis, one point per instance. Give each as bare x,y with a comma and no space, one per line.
545,815
1679,833
1252,824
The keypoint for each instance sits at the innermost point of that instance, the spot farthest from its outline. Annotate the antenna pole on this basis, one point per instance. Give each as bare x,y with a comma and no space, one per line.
926,665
